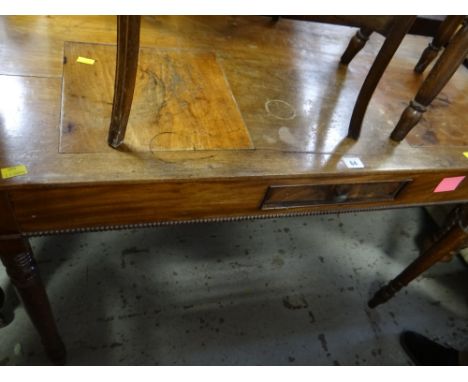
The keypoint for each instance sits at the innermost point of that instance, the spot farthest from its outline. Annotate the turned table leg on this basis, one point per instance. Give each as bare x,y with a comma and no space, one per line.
21,267
443,70
128,46
450,239
446,30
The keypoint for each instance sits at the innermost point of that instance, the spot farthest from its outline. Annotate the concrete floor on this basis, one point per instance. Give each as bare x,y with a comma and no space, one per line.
291,291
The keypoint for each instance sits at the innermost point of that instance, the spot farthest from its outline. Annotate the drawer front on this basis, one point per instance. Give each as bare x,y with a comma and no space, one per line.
303,195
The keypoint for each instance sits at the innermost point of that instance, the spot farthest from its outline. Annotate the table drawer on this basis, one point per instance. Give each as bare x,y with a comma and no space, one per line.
303,195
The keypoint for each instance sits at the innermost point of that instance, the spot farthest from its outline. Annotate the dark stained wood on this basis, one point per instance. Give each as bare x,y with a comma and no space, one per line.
426,25
128,46
444,33
454,237
93,206
443,70
8,225
16,256
355,45
409,118
294,195
23,272
395,35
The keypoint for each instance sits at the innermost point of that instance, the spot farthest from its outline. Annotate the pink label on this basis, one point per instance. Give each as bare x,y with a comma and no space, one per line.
449,184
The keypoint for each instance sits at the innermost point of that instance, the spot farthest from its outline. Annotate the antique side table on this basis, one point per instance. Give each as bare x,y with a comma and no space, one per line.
233,118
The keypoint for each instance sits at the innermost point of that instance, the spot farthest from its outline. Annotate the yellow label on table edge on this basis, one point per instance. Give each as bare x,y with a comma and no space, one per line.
84,60
465,154
11,172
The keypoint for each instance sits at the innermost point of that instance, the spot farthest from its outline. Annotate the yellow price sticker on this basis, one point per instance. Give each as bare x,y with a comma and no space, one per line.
465,154
84,60
11,172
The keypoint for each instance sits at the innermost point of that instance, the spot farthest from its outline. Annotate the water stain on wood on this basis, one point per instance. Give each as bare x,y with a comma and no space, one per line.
280,109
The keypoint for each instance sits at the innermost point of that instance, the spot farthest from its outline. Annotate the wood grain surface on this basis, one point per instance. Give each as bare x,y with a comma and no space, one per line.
296,108
294,100
86,206
182,101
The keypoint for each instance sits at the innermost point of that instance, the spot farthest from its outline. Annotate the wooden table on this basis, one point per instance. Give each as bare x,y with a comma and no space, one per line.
233,117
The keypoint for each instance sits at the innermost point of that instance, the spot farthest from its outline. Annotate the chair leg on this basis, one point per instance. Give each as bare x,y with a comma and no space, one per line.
128,45
443,70
17,257
455,235
392,42
445,32
355,45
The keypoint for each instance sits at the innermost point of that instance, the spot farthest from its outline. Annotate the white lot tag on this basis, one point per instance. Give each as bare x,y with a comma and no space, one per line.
353,162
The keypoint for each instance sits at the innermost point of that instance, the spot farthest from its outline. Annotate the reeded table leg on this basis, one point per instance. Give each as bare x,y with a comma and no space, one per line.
451,239
443,70
446,30
128,46
17,257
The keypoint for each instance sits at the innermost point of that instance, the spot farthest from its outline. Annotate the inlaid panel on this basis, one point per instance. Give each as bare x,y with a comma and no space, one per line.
303,195
182,102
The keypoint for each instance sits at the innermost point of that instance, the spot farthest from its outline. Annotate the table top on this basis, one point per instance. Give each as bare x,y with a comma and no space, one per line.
279,103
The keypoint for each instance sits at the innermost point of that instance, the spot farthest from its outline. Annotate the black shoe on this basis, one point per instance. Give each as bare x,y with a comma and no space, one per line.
424,352
6,312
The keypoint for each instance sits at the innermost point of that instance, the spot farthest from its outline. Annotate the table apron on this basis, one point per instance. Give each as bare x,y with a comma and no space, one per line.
93,207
